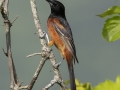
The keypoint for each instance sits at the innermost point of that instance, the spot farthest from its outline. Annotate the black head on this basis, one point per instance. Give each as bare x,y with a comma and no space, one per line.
57,8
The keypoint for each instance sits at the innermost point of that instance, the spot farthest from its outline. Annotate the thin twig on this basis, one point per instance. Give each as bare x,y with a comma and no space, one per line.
5,52
23,87
34,54
41,64
14,20
52,82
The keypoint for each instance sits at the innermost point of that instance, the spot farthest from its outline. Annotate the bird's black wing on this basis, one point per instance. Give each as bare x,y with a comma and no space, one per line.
67,38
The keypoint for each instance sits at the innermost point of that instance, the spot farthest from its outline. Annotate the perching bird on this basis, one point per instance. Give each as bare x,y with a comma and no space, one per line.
61,36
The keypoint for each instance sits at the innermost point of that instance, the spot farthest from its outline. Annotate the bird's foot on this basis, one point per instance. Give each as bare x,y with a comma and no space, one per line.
58,64
43,35
50,43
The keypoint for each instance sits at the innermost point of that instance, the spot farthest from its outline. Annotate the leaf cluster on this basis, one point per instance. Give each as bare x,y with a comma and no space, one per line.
111,29
107,85
79,85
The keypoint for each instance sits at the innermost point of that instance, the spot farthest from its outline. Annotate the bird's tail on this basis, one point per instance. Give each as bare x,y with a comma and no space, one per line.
72,77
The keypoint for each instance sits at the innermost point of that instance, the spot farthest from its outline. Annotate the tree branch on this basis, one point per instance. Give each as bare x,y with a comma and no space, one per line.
15,84
6,7
42,62
1,3
46,54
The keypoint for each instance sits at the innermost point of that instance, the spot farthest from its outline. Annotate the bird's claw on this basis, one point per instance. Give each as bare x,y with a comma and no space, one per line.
43,35
58,64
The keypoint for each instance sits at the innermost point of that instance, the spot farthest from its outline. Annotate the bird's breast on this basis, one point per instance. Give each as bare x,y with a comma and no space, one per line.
55,36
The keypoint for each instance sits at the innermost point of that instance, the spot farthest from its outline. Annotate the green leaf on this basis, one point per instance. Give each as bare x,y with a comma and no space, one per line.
107,85
77,82
87,86
67,82
118,80
111,29
112,10
79,86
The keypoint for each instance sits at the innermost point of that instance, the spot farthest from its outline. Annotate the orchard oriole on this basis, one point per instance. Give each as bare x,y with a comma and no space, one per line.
61,36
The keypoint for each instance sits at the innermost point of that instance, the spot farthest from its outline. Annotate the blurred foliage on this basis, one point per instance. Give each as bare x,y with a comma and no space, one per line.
111,29
107,85
80,86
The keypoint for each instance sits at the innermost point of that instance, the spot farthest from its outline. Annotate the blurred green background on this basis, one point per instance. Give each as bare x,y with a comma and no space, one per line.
98,59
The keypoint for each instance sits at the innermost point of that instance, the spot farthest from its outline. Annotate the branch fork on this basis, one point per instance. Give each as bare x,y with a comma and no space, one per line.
46,51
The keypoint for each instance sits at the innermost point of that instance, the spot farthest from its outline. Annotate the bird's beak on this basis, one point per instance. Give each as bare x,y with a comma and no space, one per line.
50,1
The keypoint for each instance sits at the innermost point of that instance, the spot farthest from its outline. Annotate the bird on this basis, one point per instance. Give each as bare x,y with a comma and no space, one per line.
61,36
